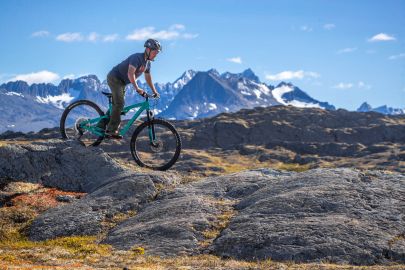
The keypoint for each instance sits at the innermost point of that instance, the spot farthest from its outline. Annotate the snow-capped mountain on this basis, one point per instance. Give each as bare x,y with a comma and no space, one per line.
247,74
86,87
31,108
210,93
59,101
36,89
184,79
26,100
167,91
193,95
288,94
20,112
365,107
42,93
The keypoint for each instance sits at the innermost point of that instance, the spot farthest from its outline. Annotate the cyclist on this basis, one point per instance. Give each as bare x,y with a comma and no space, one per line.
125,73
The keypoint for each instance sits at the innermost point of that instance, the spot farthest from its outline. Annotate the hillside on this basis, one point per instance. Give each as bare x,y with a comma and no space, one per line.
275,136
314,187
335,215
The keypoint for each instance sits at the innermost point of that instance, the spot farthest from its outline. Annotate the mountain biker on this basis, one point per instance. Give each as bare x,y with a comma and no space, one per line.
125,73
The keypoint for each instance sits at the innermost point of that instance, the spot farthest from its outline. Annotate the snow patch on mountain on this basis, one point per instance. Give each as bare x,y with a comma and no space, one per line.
257,93
57,101
244,90
211,106
301,104
184,79
264,89
280,91
14,94
249,88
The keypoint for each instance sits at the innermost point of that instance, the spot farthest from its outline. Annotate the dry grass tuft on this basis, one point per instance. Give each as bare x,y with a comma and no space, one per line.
221,221
293,167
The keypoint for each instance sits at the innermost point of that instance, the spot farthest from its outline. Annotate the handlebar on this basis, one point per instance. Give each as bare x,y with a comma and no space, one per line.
146,95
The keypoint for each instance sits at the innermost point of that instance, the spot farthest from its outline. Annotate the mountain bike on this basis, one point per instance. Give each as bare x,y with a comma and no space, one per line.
155,143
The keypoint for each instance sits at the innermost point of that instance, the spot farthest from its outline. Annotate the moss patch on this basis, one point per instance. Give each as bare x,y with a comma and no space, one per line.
221,221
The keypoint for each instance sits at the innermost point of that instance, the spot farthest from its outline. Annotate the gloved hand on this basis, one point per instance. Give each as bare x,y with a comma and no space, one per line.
141,92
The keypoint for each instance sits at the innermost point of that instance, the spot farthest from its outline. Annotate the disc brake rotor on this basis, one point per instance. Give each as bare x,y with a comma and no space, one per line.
79,127
157,146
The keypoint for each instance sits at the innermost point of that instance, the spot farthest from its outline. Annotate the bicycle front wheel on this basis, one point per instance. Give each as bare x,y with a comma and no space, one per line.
156,145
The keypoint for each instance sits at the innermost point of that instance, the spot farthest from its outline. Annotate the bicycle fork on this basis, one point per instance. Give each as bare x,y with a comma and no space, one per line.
151,128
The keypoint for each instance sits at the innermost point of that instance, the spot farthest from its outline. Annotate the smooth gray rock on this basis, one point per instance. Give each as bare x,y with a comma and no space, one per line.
67,165
175,222
62,164
340,215
85,216
168,227
65,198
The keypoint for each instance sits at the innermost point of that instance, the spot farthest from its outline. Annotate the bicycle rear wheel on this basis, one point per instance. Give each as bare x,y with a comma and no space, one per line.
73,123
156,145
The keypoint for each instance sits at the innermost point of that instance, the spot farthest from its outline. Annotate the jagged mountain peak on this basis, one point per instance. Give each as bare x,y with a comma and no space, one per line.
289,84
189,73
14,84
36,89
86,78
208,94
288,94
364,107
384,109
246,74
214,72
184,78
249,74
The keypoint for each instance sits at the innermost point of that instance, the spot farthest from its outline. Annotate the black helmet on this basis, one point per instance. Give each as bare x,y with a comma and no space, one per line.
153,44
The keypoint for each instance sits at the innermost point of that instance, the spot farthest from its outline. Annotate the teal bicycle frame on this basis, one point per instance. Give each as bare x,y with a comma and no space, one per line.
89,124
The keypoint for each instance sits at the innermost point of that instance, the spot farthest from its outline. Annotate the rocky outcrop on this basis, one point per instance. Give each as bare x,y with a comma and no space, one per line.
340,215
186,220
61,164
69,166
66,165
291,127
86,216
337,215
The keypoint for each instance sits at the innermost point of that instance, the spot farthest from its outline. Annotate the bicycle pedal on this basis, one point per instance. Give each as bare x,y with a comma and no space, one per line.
115,137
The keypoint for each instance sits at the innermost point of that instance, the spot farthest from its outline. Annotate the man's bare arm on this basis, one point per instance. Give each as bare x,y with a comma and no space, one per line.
132,79
148,79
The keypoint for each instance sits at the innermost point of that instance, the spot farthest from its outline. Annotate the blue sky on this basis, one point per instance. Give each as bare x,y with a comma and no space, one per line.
340,51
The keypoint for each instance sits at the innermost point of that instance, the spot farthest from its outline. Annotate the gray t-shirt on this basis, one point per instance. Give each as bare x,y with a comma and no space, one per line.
137,60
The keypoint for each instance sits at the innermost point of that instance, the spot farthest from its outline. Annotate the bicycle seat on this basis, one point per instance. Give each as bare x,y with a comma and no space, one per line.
106,94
